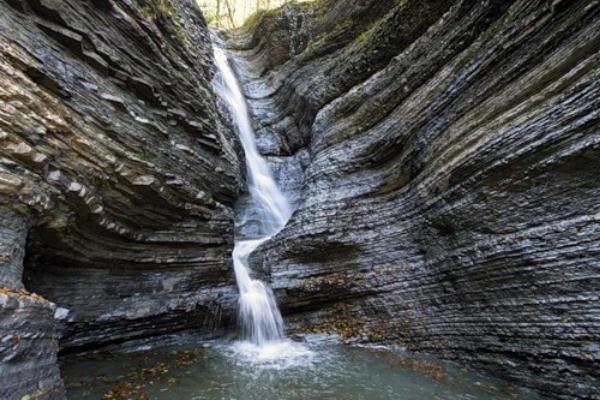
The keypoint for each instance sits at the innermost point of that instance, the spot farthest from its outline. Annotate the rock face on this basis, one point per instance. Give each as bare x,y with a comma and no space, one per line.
450,198
13,235
118,174
29,347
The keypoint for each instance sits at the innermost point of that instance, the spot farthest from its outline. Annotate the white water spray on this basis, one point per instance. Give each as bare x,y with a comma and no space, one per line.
260,319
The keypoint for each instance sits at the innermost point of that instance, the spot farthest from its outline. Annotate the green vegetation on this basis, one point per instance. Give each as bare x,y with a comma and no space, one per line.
235,13
315,43
255,18
154,8
163,8
367,34
325,37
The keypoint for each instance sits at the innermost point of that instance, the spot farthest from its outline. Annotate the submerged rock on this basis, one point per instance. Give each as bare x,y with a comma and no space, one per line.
450,202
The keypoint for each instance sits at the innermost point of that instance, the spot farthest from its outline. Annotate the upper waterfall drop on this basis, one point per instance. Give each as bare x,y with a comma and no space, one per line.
260,319
272,205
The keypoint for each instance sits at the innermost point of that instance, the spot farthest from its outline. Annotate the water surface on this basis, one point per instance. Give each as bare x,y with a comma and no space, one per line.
318,372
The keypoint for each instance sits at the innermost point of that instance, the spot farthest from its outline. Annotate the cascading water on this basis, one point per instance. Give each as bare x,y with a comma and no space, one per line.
260,319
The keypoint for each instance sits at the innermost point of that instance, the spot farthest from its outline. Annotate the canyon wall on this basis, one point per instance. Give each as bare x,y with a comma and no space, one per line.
448,198
118,177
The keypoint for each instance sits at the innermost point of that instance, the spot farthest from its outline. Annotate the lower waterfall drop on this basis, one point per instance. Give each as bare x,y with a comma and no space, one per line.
260,319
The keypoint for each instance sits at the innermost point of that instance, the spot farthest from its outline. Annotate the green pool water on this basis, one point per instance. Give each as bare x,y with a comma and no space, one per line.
234,371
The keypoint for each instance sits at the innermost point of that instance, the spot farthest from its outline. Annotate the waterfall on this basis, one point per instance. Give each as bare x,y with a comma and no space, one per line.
260,319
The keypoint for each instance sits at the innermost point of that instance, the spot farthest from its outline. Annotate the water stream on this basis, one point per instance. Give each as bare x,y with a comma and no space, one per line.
260,320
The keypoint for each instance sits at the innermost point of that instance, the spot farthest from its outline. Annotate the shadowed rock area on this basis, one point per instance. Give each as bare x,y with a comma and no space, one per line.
118,176
449,198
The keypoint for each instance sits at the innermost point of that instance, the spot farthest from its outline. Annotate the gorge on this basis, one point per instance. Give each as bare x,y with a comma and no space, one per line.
440,158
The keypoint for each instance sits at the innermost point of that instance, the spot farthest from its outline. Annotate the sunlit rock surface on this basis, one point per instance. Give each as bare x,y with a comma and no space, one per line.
450,202
118,174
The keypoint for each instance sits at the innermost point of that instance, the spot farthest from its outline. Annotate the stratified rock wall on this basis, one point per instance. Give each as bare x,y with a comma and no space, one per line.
118,174
450,201
28,347
13,236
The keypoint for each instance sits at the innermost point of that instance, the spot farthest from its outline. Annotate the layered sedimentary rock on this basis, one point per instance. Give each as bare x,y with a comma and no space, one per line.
29,347
118,175
450,202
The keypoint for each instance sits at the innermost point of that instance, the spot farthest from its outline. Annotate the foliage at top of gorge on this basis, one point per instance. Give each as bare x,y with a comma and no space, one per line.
234,13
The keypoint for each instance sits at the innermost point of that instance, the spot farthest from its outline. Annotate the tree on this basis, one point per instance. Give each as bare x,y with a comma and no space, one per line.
218,14
230,13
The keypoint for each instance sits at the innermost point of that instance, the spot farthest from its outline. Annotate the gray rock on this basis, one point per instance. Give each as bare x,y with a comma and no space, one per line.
28,347
450,203
113,144
13,234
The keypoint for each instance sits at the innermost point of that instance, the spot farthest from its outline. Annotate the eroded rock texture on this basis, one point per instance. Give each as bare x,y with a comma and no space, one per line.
29,347
118,175
450,201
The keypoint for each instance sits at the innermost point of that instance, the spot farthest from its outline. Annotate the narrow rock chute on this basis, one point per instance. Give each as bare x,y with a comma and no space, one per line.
260,319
